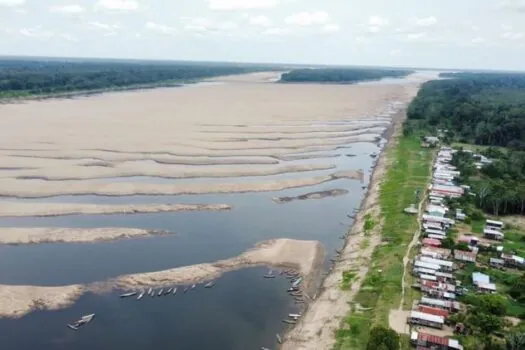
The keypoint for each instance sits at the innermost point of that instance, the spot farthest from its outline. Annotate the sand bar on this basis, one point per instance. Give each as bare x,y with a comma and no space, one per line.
15,209
305,256
311,195
33,235
41,188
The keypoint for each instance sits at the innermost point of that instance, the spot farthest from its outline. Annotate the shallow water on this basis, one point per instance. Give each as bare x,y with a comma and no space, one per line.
243,312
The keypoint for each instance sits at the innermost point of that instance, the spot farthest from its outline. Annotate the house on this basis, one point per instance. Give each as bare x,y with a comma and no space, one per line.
437,253
430,278
470,240
439,286
444,276
440,303
460,215
438,219
491,233
486,287
433,231
436,210
433,311
443,264
426,265
419,271
463,255
434,236
424,341
423,319
433,225
431,242
498,225
495,262
431,140
513,260
482,282
448,191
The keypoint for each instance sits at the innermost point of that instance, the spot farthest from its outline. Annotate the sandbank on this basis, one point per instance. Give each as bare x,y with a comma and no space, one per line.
304,256
33,235
41,188
15,209
311,195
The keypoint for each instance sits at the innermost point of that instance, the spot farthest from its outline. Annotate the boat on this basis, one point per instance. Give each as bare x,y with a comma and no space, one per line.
185,290
269,276
160,292
297,282
127,295
294,315
263,348
141,295
168,291
83,321
209,284
175,290
279,339
290,321
193,287
292,289
150,291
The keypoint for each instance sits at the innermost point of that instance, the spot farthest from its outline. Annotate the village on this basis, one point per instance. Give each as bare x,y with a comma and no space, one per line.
451,262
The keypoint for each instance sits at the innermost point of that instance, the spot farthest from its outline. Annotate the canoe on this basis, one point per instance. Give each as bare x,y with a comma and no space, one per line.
141,295
160,292
175,290
126,295
209,284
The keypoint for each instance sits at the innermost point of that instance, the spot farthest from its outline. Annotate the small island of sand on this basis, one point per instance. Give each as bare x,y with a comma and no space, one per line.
311,195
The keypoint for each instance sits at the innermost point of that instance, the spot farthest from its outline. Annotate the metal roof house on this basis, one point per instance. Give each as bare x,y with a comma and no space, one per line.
421,318
440,303
464,255
424,341
495,224
493,234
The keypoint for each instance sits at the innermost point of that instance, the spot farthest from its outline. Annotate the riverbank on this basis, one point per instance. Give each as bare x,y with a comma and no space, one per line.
305,257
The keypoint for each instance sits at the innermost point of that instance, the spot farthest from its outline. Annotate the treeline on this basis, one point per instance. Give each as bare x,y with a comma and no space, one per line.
481,108
499,186
340,75
28,77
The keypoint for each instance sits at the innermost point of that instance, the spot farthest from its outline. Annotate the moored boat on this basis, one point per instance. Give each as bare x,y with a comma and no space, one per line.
127,295
209,284
160,292
175,290
141,295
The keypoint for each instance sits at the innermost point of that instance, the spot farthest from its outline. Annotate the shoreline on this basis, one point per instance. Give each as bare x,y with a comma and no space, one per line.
323,317
304,256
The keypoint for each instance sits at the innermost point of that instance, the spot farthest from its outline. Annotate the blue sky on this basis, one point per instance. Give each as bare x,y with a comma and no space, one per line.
441,33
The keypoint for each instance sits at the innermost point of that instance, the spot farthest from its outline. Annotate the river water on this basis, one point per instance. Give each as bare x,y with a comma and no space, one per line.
243,311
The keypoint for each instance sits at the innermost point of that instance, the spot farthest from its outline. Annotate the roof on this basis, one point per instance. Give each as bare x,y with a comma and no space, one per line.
439,262
478,277
428,277
432,339
431,242
427,317
494,222
426,265
488,286
464,253
435,232
433,310
434,236
445,188
497,261
491,231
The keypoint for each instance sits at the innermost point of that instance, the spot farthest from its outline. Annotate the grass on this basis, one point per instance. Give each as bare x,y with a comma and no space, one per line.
477,226
369,224
348,277
381,288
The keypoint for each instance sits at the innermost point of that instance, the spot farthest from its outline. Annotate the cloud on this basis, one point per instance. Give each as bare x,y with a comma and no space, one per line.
512,6
229,5
276,31
12,2
415,36
308,18
426,21
68,37
67,9
160,28
36,32
478,40
104,26
512,35
121,5
395,52
260,21
331,28
377,21
202,24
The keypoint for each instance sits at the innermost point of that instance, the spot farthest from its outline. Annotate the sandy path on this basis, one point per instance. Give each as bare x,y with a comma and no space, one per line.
305,256
31,235
14,209
40,188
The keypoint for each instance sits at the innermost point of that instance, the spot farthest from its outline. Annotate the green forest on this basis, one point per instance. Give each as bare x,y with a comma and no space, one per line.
485,109
341,75
480,108
39,77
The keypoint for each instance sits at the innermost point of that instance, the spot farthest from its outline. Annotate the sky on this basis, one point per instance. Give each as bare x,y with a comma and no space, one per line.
475,34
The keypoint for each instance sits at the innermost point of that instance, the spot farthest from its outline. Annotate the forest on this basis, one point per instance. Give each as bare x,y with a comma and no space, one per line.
481,108
341,75
24,77
486,109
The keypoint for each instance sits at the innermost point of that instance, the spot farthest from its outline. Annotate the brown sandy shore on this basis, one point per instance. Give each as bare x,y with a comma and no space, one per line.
14,209
316,329
32,235
305,256
40,188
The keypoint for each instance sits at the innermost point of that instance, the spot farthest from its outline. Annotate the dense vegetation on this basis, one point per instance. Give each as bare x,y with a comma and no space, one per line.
499,186
483,108
340,75
30,77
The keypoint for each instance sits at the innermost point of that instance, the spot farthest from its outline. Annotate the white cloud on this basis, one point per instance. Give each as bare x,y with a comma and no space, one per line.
202,24
377,21
67,9
426,21
415,36
308,18
12,2
260,21
331,28
395,52
104,26
512,35
506,27
68,37
123,5
161,28
228,5
276,31
478,40
36,32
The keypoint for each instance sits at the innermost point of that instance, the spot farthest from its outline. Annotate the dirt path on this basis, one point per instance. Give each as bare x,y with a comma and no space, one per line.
415,239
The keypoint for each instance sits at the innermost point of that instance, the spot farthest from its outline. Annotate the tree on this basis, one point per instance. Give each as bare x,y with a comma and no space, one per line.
382,338
515,341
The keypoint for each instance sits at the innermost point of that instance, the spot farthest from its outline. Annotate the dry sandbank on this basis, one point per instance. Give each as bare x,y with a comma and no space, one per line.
33,235
39,188
305,256
311,195
15,209
156,170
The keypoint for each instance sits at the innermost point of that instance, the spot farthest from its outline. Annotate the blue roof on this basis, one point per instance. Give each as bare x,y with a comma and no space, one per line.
478,277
